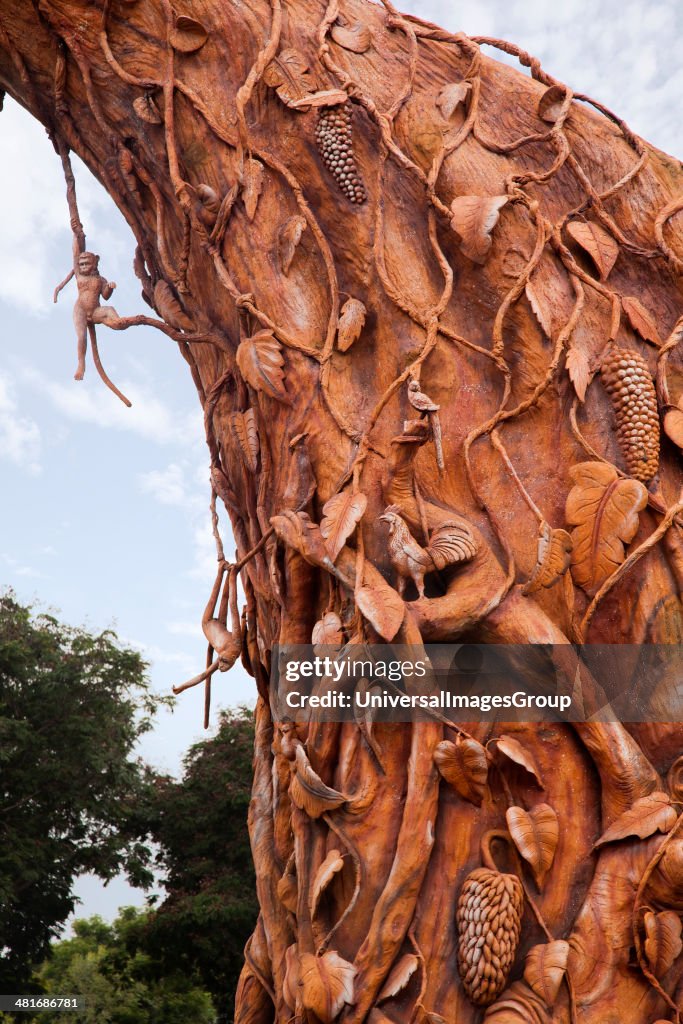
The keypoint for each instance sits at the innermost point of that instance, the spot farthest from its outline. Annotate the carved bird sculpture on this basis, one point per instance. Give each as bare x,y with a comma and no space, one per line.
426,407
450,543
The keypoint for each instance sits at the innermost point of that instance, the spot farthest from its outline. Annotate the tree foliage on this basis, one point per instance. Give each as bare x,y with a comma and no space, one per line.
122,983
72,707
200,824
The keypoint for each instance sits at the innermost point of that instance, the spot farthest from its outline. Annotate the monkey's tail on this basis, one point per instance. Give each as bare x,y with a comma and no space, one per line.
100,369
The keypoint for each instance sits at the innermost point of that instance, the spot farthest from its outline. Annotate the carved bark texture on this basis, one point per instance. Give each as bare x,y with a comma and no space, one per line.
396,269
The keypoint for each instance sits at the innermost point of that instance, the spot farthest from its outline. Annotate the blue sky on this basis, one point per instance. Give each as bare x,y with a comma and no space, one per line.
105,510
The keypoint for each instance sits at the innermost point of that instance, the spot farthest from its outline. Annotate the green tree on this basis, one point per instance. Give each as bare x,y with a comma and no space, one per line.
200,824
72,707
121,982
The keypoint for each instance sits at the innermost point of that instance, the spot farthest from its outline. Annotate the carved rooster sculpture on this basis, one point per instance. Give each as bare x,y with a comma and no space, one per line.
452,542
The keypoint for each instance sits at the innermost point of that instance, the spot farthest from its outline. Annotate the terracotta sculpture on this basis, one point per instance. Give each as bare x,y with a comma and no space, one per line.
331,202
87,309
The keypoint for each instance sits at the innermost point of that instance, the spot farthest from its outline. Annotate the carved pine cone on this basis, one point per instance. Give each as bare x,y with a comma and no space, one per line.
333,134
489,918
629,383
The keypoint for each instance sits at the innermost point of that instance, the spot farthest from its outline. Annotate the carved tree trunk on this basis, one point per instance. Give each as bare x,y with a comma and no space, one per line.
330,203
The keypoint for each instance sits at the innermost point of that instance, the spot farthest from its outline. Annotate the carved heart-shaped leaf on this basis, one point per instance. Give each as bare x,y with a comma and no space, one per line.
535,834
473,219
552,558
328,630
341,514
326,984
308,791
545,967
399,976
464,766
578,368
648,815
244,428
603,509
350,324
601,247
288,239
290,983
252,186
188,35
640,320
260,362
673,425
451,96
355,37
663,940
147,110
383,607
550,104
323,876
169,309
288,75
509,747
298,531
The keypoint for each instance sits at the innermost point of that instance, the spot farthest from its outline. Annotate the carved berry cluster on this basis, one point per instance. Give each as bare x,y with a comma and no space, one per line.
629,383
334,137
489,919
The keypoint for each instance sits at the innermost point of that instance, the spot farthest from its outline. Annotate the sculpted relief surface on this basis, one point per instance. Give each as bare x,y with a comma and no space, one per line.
432,309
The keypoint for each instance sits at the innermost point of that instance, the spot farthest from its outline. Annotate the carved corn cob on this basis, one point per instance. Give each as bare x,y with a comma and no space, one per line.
489,919
333,135
629,383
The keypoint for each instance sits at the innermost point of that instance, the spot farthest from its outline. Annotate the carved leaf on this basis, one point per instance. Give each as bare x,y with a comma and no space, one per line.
640,320
244,428
290,981
323,876
603,509
252,186
288,75
260,362
324,98
663,942
350,324
328,630
545,967
473,219
287,891
464,766
288,239
208,198
552,558
399,977
341,515
169,309
535,834
578,368
550,104
538,308
511,748
355,37
308,791
298,531
383,608
648,815
673,425
601,247
147,110
451,96
189,35
326,984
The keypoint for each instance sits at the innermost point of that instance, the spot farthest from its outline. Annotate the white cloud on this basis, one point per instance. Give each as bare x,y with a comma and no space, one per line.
149,417
166,485
20,440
